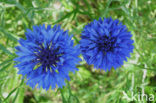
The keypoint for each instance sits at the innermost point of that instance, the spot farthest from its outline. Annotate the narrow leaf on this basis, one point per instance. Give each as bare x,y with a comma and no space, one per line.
8,35
10,94
4,49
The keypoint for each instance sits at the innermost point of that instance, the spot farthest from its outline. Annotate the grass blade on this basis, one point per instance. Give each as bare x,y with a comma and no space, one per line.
3,48
15,96
10,94
8,35
4,68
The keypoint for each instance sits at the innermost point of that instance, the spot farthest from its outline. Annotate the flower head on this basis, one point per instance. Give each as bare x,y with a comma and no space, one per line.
106,43
46,56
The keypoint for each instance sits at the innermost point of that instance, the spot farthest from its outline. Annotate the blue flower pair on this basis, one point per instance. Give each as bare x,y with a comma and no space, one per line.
48,54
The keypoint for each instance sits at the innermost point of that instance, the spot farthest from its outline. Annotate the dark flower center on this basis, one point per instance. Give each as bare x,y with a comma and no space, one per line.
106,43
48,56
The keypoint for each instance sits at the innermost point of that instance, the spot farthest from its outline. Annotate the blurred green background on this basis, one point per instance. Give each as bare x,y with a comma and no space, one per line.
137,76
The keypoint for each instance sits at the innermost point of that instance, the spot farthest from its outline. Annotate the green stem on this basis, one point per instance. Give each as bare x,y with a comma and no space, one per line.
63,98
71,95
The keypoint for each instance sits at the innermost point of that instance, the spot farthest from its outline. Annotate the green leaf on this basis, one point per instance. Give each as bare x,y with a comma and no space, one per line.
15,96
6,62
106,9
2,17
20,95
18,5
64,17
4,49
8,35
10,94
5,67
18,87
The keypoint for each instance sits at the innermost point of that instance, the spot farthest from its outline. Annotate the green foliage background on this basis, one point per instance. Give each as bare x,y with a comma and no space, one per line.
89,85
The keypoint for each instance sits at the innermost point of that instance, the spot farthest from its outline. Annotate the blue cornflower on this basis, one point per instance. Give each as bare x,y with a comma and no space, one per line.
46,57
106,43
